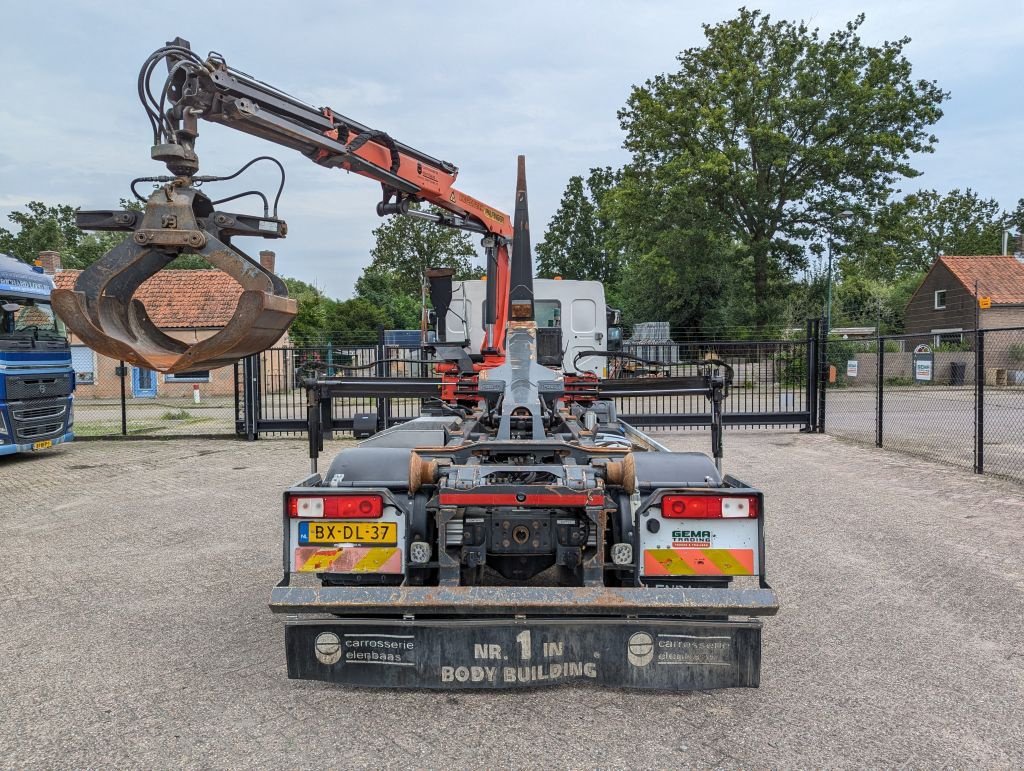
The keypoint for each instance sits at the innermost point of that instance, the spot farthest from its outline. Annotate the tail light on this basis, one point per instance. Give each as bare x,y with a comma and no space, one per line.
335,506
708,507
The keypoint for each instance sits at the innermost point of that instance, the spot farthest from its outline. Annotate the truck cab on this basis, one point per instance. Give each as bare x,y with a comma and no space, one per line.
36,378
572,317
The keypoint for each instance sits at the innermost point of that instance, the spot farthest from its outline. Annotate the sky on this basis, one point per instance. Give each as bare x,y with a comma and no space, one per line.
472,83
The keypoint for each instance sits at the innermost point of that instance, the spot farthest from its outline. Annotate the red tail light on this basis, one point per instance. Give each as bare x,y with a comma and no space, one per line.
335,506
708,506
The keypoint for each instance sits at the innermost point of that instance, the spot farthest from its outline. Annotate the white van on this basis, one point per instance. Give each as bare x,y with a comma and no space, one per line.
577,307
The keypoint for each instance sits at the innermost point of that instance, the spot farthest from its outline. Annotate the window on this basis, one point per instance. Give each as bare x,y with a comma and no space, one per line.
548,313
947,337
196,376
940,299
83,362
31,316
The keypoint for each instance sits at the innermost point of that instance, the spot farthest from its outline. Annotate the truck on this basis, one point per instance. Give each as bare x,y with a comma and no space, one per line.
572,319
518,533
36,378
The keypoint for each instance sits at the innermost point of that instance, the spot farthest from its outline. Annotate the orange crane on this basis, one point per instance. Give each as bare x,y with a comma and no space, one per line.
179,218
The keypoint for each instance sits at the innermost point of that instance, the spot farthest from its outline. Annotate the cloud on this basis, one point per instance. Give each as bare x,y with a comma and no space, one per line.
473,84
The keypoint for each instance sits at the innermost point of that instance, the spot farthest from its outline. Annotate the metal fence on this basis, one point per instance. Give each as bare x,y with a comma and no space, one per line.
960,402
120,400
272,400
773,384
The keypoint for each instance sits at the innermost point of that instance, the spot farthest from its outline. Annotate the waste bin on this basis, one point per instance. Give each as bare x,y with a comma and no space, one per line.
957,370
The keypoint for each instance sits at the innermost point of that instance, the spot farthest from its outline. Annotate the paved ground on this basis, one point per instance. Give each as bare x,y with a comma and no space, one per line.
936,422
135,630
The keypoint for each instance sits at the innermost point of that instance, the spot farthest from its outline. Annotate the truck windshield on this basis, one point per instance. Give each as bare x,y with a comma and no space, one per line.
31,317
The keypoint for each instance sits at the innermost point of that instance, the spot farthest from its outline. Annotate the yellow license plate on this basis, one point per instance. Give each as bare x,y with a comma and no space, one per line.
42,445
348,532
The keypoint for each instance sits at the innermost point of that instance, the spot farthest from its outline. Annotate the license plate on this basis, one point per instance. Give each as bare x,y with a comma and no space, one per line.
42,445
348,532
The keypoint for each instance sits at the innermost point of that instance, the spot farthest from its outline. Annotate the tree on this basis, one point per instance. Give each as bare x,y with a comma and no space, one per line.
396,310
405,247
360,315
904,237
576,244
52,228
678,261
42,228
862,301
1016,219
775,128
314,320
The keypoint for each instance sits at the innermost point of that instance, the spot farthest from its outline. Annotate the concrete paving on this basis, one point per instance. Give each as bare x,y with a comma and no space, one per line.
135,630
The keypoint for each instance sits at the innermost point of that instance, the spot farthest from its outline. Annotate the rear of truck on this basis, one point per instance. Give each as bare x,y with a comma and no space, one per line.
660,585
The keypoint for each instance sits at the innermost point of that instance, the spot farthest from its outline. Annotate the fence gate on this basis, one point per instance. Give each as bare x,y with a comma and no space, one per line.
776,383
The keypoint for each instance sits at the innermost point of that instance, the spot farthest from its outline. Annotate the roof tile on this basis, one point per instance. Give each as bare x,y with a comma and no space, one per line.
1000,277
181,299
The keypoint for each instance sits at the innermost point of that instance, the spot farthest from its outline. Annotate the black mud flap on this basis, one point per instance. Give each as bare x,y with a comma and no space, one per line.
505,653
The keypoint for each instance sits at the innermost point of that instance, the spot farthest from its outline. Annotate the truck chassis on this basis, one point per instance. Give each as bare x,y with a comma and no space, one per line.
526,562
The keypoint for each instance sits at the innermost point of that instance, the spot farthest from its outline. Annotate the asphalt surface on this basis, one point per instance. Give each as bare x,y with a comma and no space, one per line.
136,634
936,422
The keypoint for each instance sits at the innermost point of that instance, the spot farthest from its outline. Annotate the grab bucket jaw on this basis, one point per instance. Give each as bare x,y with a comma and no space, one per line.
102,309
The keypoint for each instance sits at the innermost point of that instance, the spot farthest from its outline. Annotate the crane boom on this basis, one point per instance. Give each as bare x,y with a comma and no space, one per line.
179,218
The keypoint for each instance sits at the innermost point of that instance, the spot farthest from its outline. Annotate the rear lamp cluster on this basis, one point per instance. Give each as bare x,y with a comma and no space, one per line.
708,507
335,506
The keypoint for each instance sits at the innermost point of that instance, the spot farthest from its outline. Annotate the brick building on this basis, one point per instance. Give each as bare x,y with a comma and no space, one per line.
188,305
946,304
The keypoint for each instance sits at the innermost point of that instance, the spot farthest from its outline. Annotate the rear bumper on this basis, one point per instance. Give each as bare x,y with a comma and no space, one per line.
10,449
513,653
508,637
522,600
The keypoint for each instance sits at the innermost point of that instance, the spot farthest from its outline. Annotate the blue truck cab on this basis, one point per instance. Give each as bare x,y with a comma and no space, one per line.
36,378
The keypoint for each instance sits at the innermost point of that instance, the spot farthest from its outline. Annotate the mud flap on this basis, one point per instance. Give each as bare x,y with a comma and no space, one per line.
505,653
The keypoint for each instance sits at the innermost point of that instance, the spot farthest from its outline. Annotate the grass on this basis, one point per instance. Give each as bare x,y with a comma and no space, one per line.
177,415
135,426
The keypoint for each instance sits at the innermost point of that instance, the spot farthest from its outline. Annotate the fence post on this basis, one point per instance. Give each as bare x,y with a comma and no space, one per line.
822,372
239,428
880,393
979,401
251,385
383,403
121,370
812,377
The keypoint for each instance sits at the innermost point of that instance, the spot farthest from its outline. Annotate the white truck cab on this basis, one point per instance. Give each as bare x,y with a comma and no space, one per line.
576,307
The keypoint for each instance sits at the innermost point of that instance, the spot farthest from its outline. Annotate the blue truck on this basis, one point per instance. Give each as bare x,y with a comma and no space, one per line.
36,378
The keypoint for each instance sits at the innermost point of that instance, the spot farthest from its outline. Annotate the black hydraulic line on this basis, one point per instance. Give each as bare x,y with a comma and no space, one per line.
280,188
266,205
616,355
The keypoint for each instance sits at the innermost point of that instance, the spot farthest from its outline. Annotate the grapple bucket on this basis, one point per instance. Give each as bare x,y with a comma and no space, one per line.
103,311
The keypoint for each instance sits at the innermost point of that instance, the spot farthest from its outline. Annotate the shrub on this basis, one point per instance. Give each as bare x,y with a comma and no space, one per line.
176,415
